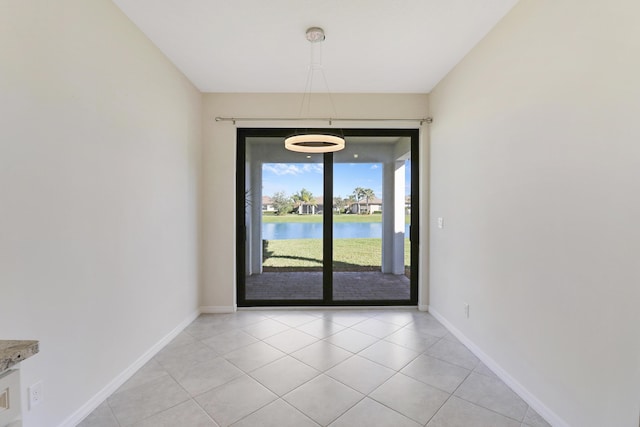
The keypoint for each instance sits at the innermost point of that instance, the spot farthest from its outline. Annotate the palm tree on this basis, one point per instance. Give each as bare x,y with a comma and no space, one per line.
368,194
358,193
304,197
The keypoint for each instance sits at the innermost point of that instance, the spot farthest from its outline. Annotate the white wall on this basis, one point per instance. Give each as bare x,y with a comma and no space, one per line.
536,169
219,156
100,142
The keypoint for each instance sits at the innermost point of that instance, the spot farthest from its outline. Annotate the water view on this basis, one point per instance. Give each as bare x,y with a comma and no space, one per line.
310,230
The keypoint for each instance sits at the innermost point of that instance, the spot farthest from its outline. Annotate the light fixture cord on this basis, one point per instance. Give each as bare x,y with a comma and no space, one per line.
326,86
306,94
333,105
315,63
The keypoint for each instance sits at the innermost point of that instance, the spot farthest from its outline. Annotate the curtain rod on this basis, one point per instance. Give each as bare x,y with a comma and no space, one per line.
330,120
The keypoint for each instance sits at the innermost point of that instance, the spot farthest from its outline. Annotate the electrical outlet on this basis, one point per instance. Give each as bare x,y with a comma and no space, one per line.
440,222
36,394
466,310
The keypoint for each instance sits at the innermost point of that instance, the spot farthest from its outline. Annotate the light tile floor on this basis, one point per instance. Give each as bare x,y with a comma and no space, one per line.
281,368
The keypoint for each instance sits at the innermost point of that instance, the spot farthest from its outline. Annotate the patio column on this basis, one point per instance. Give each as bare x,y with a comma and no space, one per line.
254,226
393,178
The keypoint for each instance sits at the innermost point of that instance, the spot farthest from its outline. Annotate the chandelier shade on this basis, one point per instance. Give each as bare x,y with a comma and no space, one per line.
314,143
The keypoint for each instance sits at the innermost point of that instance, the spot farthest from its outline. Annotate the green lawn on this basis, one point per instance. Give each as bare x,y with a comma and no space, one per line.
348,254
318,218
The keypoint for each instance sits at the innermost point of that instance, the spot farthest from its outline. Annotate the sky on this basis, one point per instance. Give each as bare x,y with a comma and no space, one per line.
292,177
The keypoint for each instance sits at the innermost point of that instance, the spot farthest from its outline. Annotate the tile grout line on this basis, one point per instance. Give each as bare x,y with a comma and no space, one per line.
397,371
290,354
192,398
384,404
111,411
448,398
270,403
364,396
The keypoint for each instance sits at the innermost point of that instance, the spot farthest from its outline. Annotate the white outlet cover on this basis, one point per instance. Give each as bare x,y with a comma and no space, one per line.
36,395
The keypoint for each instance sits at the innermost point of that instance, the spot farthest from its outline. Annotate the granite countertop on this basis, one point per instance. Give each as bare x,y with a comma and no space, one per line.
13,351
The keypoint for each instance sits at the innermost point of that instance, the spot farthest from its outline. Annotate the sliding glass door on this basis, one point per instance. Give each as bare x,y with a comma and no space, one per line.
326,229
371,246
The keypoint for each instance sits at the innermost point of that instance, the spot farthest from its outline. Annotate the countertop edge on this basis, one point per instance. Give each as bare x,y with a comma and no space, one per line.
13,352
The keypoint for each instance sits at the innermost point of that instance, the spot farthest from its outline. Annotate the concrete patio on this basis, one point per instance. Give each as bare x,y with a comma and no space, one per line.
355,286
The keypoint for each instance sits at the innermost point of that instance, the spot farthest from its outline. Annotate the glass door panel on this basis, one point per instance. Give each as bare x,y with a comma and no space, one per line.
407,218
370,185
284,222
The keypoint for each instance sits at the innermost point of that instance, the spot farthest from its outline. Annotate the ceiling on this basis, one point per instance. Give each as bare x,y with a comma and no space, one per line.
371,46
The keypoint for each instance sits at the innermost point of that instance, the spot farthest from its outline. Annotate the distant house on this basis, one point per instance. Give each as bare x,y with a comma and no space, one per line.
267,204
315,207
375,205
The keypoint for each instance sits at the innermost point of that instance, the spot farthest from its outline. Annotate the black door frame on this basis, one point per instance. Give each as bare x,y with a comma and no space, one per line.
327,269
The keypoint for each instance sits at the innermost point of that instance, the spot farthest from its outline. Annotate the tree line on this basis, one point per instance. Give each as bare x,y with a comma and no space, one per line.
284,204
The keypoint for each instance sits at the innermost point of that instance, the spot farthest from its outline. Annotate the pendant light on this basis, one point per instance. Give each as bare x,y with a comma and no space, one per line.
314,142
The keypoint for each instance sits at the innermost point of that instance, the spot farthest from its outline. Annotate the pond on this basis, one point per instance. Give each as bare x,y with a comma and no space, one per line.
309,230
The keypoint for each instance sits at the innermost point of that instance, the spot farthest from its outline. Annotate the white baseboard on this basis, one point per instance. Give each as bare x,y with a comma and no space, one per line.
423,307
218,309
546,413
102,395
